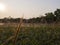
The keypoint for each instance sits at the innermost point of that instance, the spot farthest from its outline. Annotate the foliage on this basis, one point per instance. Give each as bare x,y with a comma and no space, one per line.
43,35
57,13
50,17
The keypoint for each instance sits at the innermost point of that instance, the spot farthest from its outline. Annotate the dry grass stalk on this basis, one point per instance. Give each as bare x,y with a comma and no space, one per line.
17,31
16,34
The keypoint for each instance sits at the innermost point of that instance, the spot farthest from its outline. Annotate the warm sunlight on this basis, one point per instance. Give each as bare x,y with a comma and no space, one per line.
2,7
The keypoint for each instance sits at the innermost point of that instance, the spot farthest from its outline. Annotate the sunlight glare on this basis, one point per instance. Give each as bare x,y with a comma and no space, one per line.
2,7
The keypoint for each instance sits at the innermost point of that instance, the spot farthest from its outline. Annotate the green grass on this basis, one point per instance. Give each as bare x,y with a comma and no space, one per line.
43,35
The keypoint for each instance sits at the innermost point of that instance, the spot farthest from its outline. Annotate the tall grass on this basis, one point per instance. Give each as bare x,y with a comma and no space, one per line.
15,34
42,35
17,31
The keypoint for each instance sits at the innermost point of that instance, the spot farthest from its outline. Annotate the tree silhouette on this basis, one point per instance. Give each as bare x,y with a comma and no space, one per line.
57,14
50,17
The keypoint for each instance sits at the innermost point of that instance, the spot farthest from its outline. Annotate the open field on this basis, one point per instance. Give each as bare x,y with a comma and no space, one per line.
42,35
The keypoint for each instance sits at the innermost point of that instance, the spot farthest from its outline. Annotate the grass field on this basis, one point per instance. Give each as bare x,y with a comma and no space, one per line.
42,35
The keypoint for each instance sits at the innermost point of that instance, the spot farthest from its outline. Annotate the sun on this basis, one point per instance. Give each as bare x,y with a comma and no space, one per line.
2,7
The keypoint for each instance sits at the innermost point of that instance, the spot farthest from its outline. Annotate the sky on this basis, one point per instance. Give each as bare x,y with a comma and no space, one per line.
28,8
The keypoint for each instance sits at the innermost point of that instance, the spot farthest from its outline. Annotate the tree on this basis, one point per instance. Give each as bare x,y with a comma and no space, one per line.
57,14
50,17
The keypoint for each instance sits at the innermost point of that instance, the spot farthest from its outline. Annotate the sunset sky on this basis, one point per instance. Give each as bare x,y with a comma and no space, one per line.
28,8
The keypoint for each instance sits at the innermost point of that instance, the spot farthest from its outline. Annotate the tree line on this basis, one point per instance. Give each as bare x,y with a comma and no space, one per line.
50,17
